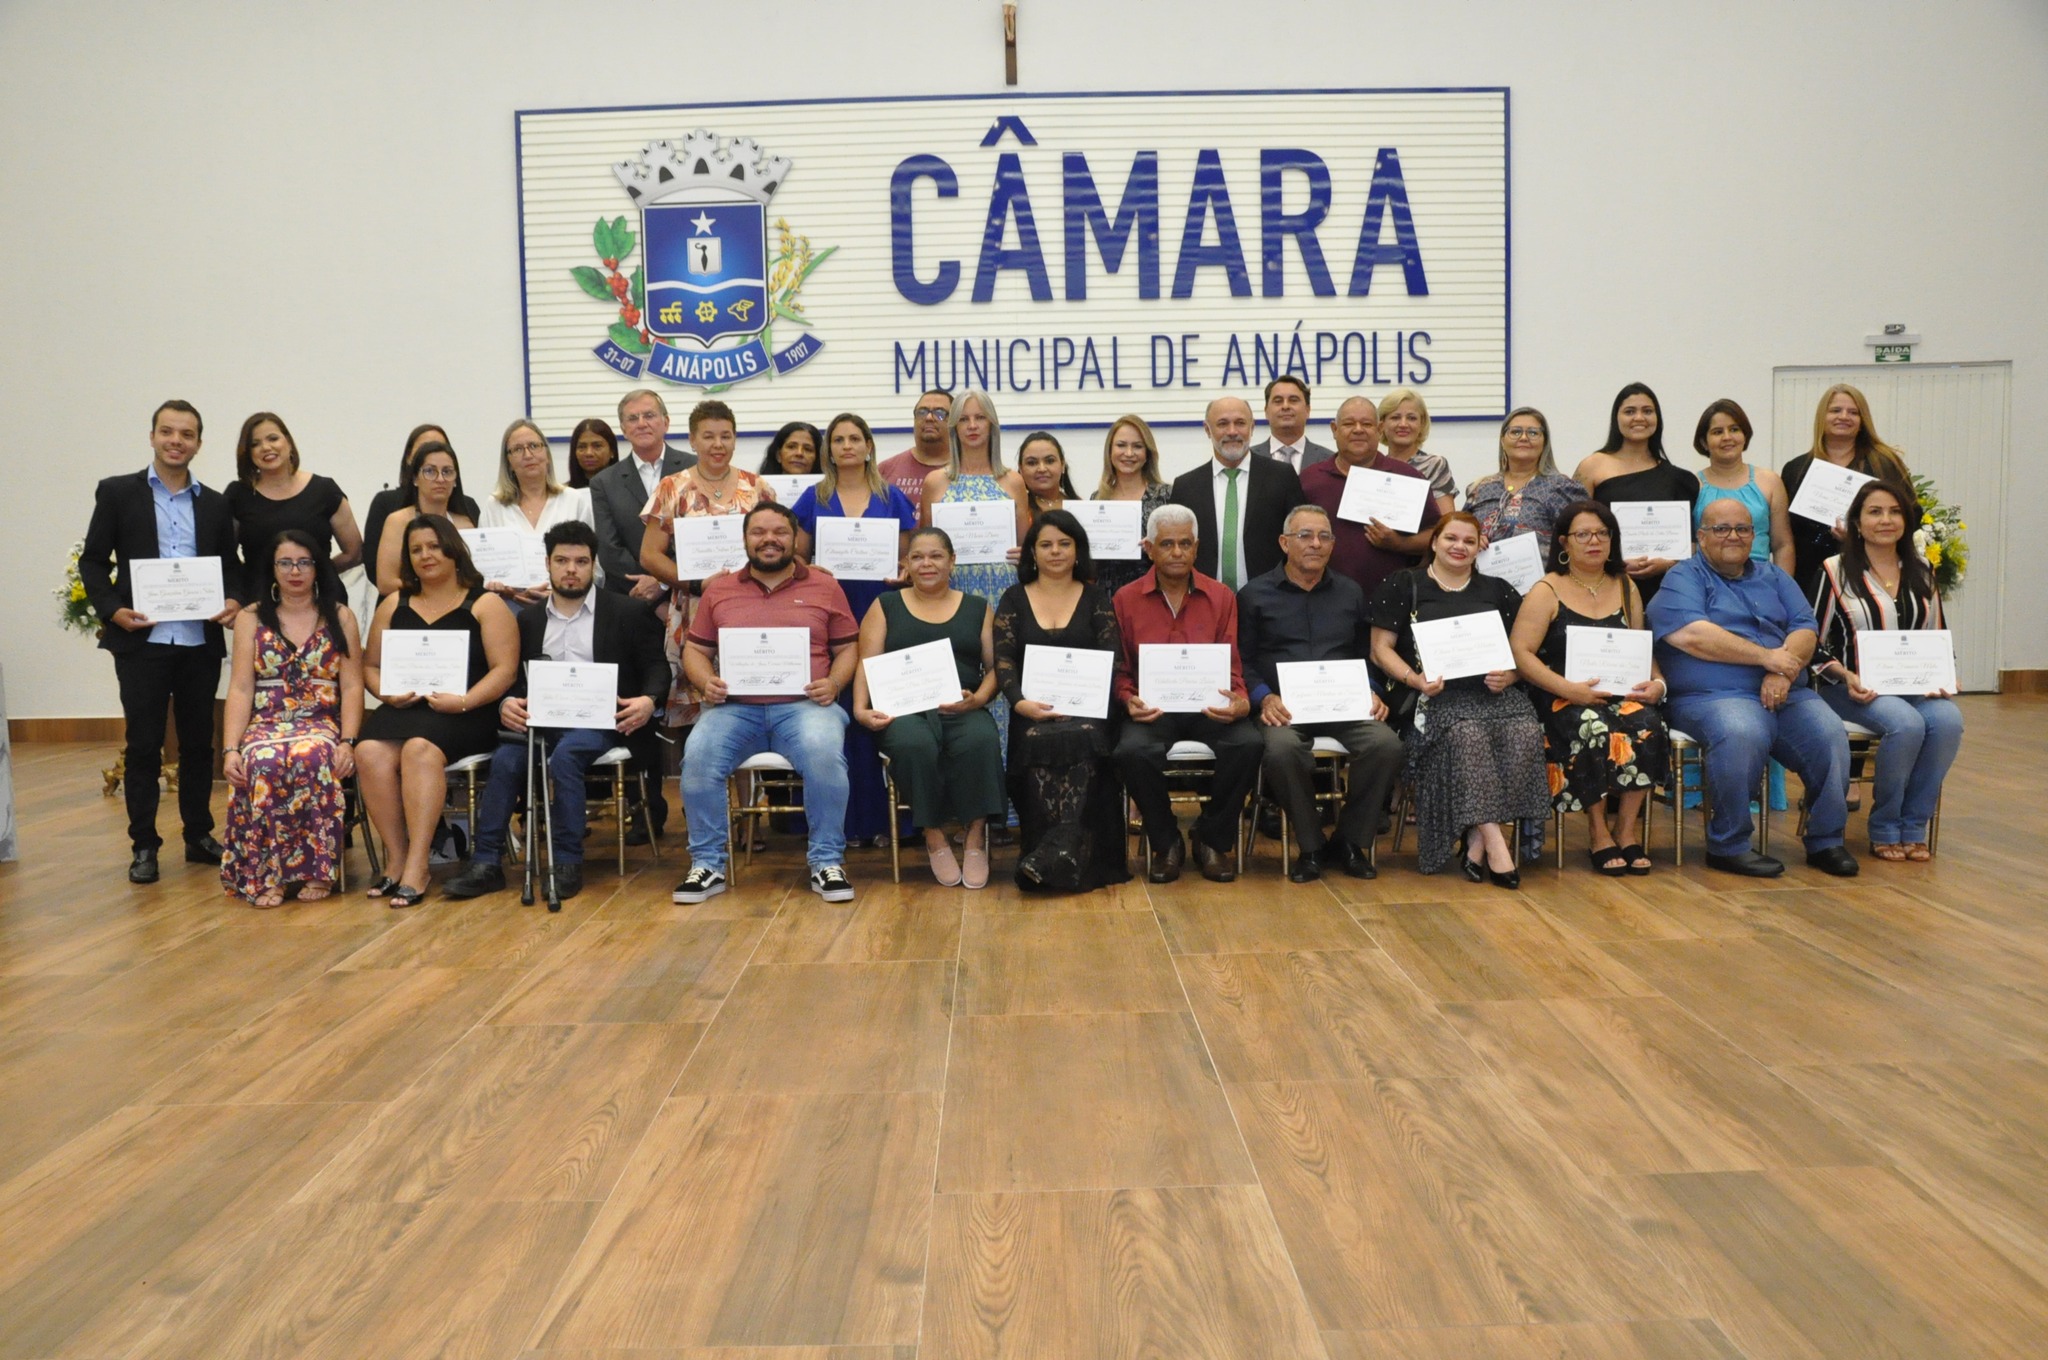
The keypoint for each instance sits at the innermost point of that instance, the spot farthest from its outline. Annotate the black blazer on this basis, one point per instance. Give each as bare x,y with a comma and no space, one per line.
124,527
625,633
616,496
1271,490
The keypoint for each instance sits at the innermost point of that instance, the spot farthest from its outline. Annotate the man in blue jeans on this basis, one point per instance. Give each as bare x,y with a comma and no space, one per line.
1734,637
576,623
800,721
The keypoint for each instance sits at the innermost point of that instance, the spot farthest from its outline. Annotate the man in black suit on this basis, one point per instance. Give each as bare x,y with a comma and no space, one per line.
575,623
1240,502
618,493
1287,427
163,511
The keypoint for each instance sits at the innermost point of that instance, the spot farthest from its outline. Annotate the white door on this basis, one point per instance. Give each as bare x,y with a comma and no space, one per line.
1951,421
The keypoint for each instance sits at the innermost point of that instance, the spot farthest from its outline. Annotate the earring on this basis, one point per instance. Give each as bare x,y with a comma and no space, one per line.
276,595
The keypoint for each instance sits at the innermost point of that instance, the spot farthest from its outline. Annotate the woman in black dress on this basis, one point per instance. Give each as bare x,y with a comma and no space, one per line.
1475,749
1069,800
1632,466
394,497
1842,435
407,744
1603,743
272,493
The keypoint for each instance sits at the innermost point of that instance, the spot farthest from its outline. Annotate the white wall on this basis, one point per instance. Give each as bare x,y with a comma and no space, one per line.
311,208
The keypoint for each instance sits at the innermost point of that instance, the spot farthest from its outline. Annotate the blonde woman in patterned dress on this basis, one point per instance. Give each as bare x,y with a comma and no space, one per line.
712,487
295,704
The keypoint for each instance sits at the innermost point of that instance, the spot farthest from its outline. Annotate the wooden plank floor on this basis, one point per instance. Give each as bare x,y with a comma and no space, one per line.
1684,1116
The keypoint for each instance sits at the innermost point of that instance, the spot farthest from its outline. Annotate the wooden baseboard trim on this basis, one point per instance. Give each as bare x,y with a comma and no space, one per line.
66,729
2023,682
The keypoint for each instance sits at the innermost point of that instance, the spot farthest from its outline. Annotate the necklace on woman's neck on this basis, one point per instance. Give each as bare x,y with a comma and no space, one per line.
720,492
1592,591
1432,570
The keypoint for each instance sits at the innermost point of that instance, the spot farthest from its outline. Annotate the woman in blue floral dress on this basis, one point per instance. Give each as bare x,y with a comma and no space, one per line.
295,704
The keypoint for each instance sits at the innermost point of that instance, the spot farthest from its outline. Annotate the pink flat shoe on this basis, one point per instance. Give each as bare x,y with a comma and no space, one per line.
975,875
945,868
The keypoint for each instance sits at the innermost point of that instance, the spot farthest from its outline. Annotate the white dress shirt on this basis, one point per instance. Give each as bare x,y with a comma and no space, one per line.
571,502
650,472
1217,467
571,636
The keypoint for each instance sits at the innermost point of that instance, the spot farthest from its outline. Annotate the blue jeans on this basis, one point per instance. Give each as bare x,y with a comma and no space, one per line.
811,737
1741,737
1921,738
570,753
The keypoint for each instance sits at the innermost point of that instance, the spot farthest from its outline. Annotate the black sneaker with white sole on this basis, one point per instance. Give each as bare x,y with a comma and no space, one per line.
832,884
701,882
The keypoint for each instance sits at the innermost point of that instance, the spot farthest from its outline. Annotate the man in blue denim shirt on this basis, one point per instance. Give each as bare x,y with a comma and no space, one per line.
1734,637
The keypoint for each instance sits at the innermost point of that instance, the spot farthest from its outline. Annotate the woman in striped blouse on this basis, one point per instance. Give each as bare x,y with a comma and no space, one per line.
1879,581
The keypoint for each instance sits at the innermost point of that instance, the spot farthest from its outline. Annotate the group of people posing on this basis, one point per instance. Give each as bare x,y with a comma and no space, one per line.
1755,642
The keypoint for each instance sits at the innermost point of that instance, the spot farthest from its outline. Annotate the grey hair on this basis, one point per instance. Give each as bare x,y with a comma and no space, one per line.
1305,508
1167,517
995,430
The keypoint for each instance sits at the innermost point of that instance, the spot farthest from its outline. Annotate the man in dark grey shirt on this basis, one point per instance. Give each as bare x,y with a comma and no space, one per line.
1303,611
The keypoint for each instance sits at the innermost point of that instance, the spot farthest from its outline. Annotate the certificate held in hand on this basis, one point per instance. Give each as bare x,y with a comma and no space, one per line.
572,694
1072,681
764,662
1910,661
173,589
1826,491
421,661
912,679
856,549
1465,644
1654,529
1184,677
1517,560
982,531
1391,498
709,544
1114,528
507,556
1325,691
1611,660
787,487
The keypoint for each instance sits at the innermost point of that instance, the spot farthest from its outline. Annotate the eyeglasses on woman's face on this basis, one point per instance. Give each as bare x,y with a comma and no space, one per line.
1589,536
294,564
437,474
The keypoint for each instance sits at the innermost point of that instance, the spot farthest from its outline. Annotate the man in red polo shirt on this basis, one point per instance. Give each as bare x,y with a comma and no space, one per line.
1174,603
1367,553
805,726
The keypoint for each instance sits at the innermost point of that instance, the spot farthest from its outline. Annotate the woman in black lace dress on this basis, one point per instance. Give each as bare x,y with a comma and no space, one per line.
1068,798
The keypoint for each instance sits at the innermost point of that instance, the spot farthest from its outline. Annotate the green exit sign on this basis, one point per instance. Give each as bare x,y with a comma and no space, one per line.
1895,354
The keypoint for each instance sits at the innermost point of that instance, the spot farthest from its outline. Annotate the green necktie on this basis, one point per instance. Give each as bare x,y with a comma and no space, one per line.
1226,565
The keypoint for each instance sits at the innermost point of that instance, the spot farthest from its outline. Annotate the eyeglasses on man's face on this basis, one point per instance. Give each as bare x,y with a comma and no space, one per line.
932,412
1730,530
1308,536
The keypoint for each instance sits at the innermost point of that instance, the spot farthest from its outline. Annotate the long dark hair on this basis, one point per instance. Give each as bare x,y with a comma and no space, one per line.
1614,441
1560,536
1027,561
1067,491
327,594
1915,577
412,488
452,547
602,429
771,461
406,461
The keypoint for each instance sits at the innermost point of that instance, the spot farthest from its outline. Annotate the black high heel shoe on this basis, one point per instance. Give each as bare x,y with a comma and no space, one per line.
1511,879
1475,871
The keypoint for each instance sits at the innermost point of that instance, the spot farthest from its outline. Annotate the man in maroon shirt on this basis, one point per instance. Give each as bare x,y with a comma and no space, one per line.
806,726
908,469
1368,554
1174,603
